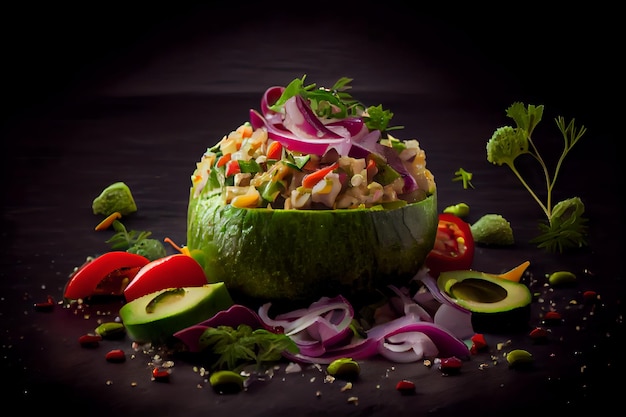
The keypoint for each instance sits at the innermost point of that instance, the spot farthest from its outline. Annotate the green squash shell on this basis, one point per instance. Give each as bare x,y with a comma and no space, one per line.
302,255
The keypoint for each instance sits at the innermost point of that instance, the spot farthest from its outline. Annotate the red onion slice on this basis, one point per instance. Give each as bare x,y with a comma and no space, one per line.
298,144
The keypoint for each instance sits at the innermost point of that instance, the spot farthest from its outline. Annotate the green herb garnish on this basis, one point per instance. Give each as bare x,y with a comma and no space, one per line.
565,226
335,102
236,348
134,241
465,176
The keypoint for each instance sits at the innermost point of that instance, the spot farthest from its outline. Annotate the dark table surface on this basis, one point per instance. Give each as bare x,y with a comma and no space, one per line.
137,96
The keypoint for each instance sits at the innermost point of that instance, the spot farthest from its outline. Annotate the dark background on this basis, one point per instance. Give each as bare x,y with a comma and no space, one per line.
564,54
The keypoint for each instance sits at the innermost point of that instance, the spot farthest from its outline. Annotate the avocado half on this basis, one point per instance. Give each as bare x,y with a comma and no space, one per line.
497,305
155,317
280,255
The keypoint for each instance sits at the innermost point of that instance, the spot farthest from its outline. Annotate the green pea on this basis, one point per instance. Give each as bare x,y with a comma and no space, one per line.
226,382
519,358
459,210
344,368
111,330
561,278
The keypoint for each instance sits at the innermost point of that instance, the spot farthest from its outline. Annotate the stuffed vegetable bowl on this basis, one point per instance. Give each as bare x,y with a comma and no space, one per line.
310,197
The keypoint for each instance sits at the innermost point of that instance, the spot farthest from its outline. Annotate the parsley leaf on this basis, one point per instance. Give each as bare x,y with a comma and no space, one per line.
235,348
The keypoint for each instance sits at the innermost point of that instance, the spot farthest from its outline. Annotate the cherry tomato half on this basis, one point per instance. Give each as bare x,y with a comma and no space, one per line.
454,246
107,274
173,271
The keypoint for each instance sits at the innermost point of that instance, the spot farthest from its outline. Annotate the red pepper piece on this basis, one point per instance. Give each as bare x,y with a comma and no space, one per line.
107,274
115,355
309,180
173,271
89,340
450,365
478,343
160,375
232,168
454,246
405,387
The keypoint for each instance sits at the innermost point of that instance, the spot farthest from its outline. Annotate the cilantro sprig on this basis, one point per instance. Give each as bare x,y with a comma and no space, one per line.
234,348
123,238
565,226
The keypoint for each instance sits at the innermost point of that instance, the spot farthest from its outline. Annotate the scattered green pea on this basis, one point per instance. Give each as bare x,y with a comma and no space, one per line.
344,368
226,382
519,358
562,278
110,330
459,210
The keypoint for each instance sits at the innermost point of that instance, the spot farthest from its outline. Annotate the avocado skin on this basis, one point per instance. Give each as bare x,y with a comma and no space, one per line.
302,255
497,305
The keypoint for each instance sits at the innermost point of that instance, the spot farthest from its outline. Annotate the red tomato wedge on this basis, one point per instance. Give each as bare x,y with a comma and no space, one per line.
107,274
454,246
173,271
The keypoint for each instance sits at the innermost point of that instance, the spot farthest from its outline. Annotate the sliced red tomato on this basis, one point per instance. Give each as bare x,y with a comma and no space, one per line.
454,246
173,271
107,274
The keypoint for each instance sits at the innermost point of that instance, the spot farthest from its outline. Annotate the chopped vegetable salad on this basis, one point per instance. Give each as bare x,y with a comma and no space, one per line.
290,158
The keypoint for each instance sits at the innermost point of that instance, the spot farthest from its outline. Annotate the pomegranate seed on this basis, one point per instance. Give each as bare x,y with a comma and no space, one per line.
405,387
89,340
590,296
160,375
450,365
538,334
552,317
115,355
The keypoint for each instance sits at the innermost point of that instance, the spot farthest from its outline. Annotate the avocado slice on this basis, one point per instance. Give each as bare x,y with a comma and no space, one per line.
497,305
298,256
155,317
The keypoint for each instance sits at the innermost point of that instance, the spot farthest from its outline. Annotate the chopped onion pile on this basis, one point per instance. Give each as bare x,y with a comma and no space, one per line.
323,332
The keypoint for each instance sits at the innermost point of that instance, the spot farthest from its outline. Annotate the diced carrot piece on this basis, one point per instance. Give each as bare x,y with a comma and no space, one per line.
275,150
313,178
223,160
245,130
106,223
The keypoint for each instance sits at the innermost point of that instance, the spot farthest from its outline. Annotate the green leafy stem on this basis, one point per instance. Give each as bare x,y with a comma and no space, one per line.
565,225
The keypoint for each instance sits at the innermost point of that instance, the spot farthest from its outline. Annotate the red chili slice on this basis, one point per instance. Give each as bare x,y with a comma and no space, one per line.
173,271
107,274
454,246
